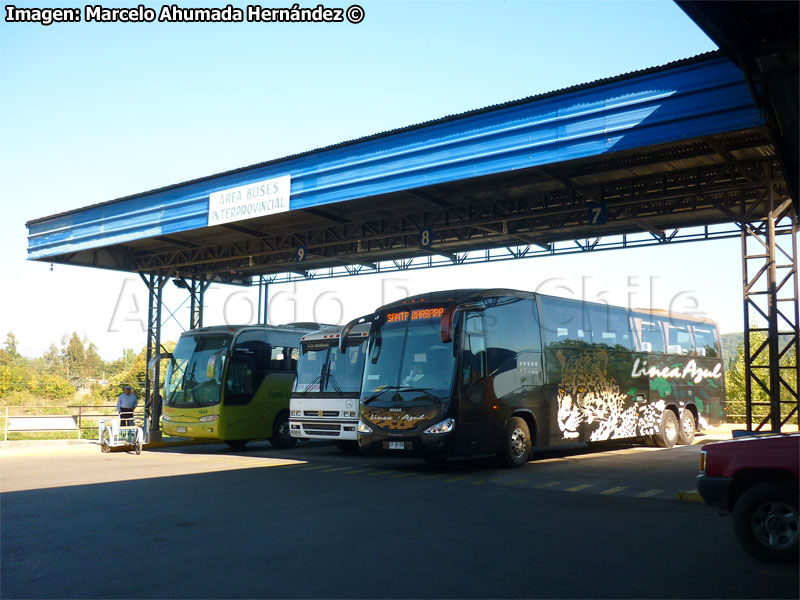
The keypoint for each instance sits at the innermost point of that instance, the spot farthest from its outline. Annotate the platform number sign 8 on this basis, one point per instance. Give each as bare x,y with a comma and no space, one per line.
597,213
300,255
426,238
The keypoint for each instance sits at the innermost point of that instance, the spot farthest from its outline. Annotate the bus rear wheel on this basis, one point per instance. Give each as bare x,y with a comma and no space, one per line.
281,437
516,443
686,433
237,444
668,433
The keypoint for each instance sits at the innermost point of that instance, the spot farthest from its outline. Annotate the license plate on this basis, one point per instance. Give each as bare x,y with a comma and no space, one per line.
397,445
181,429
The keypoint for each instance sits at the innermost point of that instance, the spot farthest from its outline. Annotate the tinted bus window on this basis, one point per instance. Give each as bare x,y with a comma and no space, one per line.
679,338
247,367
511,328
610,327
564,322
651,336
705,339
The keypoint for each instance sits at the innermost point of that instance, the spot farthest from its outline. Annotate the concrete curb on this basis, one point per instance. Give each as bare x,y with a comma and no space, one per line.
688,497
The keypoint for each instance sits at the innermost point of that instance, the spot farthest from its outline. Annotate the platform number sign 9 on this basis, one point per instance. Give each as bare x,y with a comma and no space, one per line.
426,238
597,213
300,255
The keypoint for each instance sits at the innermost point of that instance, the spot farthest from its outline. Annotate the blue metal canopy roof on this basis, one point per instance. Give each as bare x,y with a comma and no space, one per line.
651,117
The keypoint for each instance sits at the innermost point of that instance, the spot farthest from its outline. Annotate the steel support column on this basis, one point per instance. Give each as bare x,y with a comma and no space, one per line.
771,317
197,290
155,287
263,299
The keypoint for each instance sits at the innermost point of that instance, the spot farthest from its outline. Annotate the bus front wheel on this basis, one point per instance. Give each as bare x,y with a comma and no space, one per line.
281,437
237,444
516,443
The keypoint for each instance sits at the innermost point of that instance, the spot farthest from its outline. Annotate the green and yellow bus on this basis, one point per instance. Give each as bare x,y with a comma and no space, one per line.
232,383
502,371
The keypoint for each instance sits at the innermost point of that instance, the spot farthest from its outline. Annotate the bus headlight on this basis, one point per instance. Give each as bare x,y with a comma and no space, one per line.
364,428
445,426
208,418
165,417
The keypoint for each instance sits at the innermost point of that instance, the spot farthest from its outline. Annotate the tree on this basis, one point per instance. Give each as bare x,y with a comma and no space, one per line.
9,353
75,355
94,365
735,379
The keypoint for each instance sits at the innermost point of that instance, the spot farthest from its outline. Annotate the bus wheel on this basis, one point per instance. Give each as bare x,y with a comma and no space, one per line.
281,438
668,434
686,433
237,444
516,443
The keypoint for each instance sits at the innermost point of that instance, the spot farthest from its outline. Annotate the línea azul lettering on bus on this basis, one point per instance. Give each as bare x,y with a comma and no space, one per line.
690,371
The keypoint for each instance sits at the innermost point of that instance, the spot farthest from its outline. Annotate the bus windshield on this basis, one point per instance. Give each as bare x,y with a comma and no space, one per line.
194,375
406,358
322,368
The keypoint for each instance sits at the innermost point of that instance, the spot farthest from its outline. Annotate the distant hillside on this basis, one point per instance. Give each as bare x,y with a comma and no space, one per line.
730,347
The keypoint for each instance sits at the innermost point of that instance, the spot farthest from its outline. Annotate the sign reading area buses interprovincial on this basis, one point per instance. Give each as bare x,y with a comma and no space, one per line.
257,199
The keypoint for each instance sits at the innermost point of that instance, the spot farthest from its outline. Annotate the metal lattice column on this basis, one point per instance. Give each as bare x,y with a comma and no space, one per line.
155,288
769,269
197,290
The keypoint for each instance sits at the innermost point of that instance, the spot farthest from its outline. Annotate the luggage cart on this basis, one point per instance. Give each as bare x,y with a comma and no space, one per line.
113,435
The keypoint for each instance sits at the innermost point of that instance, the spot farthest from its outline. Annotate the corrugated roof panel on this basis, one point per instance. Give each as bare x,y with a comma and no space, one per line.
670,104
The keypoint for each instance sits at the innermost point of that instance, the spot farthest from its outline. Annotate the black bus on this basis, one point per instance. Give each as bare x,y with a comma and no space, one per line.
504,371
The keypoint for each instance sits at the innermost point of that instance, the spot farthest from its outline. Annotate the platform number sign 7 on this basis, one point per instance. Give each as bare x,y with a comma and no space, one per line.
426,238
597,213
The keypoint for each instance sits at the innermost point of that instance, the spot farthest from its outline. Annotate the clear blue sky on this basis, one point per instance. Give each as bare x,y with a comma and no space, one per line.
91,112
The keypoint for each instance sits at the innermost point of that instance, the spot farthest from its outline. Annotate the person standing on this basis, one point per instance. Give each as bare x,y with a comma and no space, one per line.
126,404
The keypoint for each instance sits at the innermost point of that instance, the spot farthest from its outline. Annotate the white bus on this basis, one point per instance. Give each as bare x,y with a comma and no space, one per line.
324,401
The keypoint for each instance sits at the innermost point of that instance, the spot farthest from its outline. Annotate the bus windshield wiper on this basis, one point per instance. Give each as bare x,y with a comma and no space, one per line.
316,379
396,388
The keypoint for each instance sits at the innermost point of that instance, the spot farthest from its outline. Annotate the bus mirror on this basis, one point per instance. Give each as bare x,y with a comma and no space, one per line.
347,329
151,366
446,323
448,317
211,367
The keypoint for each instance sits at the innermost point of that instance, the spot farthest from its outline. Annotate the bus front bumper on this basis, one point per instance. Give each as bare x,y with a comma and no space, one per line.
420,445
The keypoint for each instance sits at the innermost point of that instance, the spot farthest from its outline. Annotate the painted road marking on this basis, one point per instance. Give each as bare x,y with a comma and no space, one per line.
613,490
336,469
354,471
578,488
542,486
477,482
517,482
432,477
403,475
648,493
314,467
457,478
380,473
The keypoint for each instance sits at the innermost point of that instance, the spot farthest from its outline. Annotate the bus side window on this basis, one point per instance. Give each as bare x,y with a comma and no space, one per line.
705,339
247,368
651,335
679,338
280,359
610,327
564,323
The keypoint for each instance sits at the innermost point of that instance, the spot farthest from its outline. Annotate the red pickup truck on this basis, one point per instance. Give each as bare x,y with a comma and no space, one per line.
756,479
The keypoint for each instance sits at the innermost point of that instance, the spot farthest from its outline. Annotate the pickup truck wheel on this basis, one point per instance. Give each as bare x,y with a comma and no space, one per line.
686,432
765,521
668,433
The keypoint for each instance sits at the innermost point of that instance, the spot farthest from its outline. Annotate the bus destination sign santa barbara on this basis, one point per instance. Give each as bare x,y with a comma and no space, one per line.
257,199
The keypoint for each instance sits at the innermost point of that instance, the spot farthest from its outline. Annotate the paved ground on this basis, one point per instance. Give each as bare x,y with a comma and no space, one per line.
207,522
